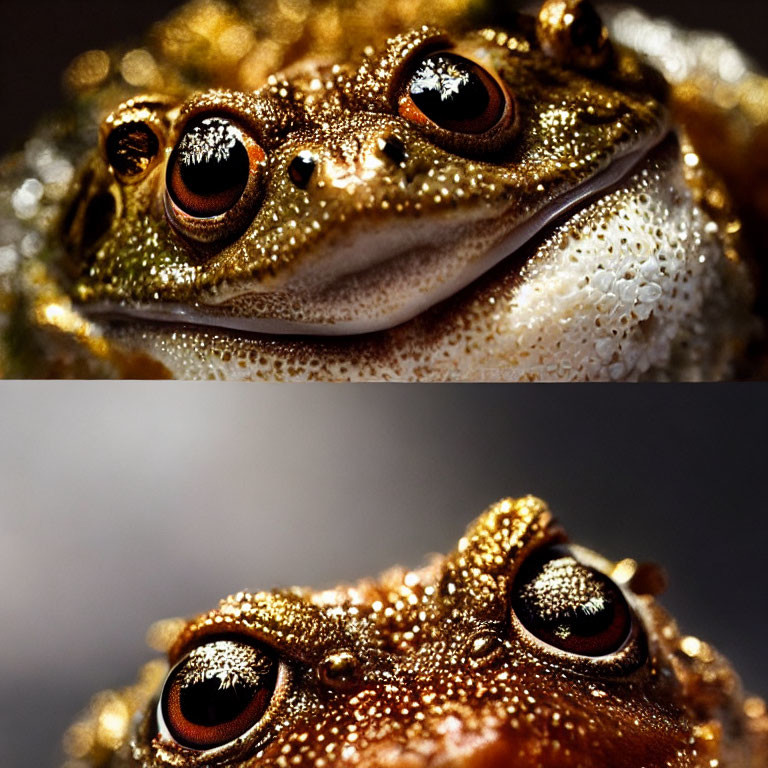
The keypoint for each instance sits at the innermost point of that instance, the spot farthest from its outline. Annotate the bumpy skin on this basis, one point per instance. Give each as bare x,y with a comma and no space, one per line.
434,668
584,241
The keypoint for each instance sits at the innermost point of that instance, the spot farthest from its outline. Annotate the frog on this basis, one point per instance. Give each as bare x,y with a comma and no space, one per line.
517,648
423,191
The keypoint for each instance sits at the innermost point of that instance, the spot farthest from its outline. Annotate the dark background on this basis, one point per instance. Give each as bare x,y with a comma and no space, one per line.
126,503
40,37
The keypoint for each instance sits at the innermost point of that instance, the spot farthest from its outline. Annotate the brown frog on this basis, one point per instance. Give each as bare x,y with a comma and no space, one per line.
369,191
518,648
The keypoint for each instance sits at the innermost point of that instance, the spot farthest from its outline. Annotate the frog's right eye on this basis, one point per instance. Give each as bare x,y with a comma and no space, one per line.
218,693
571,606
460,103
213,181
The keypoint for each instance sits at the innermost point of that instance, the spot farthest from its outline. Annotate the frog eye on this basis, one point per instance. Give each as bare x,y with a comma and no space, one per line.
457,99
132,138
217,693
213,179
571,606
572,32
131,149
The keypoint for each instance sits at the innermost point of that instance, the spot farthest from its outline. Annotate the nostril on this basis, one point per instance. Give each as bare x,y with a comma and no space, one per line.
392,148
301,169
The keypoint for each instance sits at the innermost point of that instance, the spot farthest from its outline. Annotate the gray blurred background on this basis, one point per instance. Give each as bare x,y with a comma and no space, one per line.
40,38
126,503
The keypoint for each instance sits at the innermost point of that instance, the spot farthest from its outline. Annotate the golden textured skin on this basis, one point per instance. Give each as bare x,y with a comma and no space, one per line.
575,242
569,131
435,668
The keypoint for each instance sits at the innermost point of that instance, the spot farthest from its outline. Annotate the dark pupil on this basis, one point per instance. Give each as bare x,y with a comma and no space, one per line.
212,159
208,704
447,88
572,607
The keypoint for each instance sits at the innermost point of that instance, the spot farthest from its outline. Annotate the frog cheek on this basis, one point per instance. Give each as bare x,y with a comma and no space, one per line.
214,181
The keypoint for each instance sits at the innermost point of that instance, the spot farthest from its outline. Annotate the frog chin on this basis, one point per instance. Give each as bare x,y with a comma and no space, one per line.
400,270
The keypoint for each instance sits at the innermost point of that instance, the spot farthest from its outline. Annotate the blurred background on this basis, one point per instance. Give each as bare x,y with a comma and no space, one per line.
126,503
41,38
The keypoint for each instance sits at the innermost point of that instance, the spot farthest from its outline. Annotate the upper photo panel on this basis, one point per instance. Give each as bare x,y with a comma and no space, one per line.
410,190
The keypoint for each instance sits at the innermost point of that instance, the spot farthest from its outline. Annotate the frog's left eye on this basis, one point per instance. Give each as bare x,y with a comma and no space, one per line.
217,693
458,100
571,606
213,179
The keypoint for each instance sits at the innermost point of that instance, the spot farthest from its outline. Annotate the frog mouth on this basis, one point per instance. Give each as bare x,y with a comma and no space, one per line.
399,274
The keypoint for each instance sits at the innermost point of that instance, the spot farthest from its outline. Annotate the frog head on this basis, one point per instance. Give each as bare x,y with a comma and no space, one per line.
349,198
518,648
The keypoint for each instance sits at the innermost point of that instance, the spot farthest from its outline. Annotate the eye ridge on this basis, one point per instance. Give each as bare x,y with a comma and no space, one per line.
568,605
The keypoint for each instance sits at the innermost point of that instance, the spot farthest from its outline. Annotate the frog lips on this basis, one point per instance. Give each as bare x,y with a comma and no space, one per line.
399,273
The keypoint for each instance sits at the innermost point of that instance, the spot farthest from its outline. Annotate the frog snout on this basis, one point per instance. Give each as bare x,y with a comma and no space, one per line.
356,160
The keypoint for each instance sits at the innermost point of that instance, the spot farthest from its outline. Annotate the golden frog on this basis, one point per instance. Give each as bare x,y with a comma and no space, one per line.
518,648
434,190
